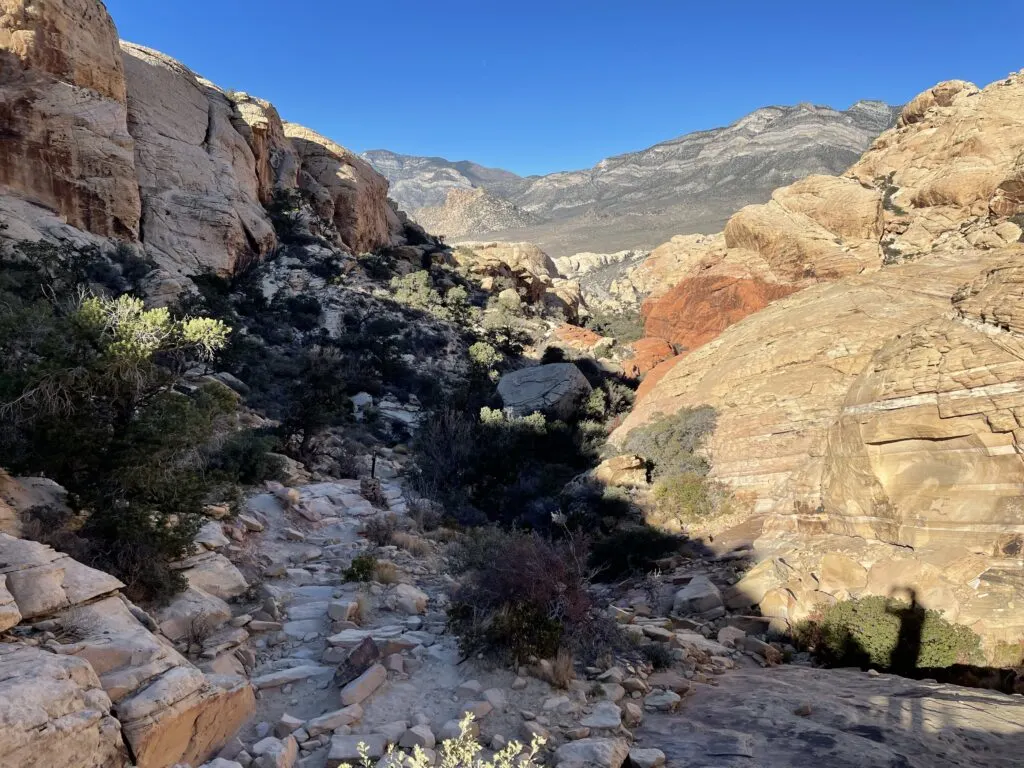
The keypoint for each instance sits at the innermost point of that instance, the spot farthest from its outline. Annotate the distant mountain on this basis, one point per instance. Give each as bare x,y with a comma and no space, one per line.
692,183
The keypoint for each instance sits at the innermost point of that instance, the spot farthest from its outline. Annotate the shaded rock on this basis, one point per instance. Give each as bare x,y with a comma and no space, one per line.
555,389
699,596
364,685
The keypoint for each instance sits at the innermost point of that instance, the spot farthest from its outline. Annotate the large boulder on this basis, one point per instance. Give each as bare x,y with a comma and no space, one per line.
201,206
53,712
556,390
66,145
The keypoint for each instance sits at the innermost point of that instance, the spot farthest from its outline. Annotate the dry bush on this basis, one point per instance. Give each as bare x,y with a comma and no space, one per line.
364,609
563,669
385,572
199,631
380,530
411,543
521,596
371,490
77,623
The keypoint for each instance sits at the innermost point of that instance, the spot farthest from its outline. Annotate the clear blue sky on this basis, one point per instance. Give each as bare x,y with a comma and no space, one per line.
537,86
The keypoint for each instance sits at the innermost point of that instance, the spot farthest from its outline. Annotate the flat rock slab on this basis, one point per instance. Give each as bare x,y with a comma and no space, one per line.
855,720
345,749
292,675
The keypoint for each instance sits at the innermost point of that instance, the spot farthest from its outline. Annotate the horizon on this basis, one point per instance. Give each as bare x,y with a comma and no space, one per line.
551,88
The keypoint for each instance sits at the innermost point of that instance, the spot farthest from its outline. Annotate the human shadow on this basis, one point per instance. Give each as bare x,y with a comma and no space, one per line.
903,660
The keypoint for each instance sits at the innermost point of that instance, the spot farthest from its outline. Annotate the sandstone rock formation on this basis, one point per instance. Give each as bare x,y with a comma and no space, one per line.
169,712
839,718
109,142
200,195
53,711
884,404
66,145
467,212
346,189
529,270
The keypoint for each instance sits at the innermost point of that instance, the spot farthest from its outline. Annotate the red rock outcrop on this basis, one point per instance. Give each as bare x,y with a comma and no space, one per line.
699,308
647,353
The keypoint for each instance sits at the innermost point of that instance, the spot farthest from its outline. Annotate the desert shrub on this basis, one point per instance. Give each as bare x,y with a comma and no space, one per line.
317,397
416,290
461,752
521,595
683,499
630,552
412,544
670,443
624,327
247,457
377,266
362,568
380,530
88,393
658,655
867,632
552,355
286,212
385,572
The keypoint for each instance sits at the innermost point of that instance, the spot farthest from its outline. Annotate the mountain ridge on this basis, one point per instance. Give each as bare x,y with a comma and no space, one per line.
689,183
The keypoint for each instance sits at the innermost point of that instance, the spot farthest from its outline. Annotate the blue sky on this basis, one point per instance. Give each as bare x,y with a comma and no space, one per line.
536,87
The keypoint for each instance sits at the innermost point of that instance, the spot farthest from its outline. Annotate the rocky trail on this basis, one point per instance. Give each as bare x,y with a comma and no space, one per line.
337,664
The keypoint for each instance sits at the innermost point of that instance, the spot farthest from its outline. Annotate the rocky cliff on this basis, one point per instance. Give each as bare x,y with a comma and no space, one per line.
637,200
869,384
108,142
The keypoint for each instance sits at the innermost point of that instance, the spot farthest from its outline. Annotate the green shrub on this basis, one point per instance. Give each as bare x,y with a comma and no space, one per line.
670,443
363,568
630,552
624,327
246,457
682,499
866,632
88,387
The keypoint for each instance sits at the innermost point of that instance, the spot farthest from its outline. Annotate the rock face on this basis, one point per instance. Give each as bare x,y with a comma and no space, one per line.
190,158
169,712
466,212
839,718
66,145
107,142
556,390
689,184
346,189
881,400
53,711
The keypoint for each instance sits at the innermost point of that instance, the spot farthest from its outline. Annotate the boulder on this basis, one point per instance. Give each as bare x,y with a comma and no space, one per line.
364,686
169,711
346,749
192,611
699,596
606,715
53,712
626,471
410,600
556,389
214,574
42,581
332,721
275,753
593,753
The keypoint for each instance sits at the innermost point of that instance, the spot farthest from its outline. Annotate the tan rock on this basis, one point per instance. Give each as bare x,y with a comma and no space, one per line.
42,580
189,157
66,143
214,574
347,190
277,164
626,471
839,572
53,712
